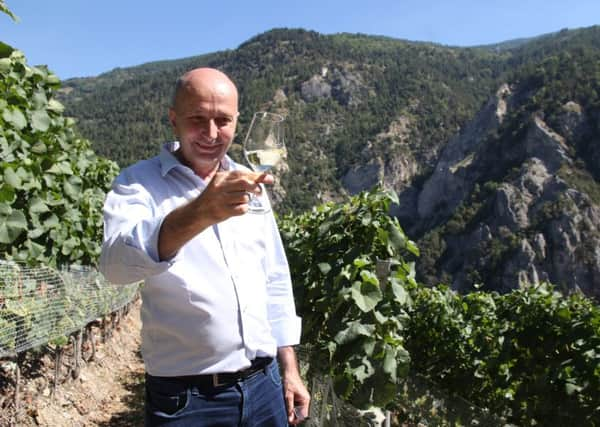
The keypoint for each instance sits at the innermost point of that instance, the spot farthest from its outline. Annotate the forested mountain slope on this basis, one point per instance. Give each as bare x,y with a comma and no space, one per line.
338,92
494,150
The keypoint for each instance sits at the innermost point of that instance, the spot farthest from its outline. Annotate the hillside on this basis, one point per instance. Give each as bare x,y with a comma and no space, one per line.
338,93
493,150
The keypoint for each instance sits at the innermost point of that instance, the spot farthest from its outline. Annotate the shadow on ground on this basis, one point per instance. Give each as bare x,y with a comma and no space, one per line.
134,415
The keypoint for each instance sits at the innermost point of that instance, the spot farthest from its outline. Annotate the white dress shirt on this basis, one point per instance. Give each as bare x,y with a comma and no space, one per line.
224,299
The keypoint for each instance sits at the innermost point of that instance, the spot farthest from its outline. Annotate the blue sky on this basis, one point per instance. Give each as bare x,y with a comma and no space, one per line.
83,38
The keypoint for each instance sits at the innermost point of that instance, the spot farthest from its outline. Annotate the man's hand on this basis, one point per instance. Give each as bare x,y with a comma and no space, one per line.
226,195
296,396
297,399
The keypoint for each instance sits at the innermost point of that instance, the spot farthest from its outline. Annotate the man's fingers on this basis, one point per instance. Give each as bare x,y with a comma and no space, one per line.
241,181
237,198
229,192
251,183
300,414
289,405
265,178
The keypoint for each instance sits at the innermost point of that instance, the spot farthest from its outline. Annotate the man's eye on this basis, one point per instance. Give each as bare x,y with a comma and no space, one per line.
222,121
198,120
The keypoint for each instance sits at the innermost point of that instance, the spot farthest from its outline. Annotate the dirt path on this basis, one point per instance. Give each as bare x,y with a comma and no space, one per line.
108,391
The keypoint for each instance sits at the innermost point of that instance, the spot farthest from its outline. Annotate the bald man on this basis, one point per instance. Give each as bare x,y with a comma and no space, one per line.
218,314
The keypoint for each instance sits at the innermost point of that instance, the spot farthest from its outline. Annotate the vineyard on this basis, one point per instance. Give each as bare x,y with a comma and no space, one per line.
376,337
43,311
426,354
52,187
528,357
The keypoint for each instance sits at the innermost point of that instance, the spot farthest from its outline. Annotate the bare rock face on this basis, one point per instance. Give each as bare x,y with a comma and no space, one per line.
534,176
534,226
511,208
345,86
388,160
513,201
364,177
280,97
573,240
543,143
529,223
448,186
315,89
520,269
554,236
573,123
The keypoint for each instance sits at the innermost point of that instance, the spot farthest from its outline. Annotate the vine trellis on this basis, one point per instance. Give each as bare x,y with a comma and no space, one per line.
44,307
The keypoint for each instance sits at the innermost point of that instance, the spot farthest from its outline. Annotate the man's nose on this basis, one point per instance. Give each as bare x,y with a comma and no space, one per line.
211,129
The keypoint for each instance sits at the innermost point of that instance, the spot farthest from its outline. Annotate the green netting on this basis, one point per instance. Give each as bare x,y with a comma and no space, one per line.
40,304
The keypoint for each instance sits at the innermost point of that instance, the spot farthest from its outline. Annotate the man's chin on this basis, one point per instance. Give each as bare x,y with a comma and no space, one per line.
205,168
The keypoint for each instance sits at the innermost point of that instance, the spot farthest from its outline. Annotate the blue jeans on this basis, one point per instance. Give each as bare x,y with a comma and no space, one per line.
254,402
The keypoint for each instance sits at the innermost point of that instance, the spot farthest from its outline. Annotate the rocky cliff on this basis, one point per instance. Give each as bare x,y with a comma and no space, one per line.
505,200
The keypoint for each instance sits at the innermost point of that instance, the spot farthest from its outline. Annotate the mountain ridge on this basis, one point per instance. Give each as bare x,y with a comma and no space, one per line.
367,109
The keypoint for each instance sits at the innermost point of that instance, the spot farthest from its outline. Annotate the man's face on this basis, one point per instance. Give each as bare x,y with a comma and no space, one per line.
204,119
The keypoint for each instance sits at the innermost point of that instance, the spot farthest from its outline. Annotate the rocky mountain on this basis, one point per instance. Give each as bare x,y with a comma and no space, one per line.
513,215
494,151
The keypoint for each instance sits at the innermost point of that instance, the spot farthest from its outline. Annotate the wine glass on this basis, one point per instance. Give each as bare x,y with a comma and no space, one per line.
263,148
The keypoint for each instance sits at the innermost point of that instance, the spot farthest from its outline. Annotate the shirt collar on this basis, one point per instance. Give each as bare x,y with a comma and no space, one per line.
168,160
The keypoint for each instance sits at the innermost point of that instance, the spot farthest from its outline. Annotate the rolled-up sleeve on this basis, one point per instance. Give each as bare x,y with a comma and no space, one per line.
131,228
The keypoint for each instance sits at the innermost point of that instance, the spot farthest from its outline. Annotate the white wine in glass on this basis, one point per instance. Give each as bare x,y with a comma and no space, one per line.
263,148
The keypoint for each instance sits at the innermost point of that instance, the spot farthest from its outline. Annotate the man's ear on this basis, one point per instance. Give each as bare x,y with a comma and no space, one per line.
172,118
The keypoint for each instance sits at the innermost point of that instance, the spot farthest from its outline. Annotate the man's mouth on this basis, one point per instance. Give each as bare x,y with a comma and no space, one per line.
208,146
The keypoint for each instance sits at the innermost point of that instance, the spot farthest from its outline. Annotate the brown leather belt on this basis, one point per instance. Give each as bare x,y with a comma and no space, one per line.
227,378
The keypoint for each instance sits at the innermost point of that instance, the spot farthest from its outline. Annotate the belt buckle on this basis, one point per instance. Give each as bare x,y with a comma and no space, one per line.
215,380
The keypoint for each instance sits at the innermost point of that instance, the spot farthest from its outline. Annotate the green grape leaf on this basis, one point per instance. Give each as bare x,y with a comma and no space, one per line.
55,106
40,120
69,244
571,388
7,194
4,62
390,363
53,80
399,292
362,372
5,208
39,99
51,222
5,9
37,205
366,295
354,330
324,267
397,238
36,251
15,117
39,148
72,190
11,226
36,232
61,168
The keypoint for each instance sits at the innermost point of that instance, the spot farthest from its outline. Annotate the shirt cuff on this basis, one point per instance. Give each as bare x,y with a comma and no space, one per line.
131,257
287,331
